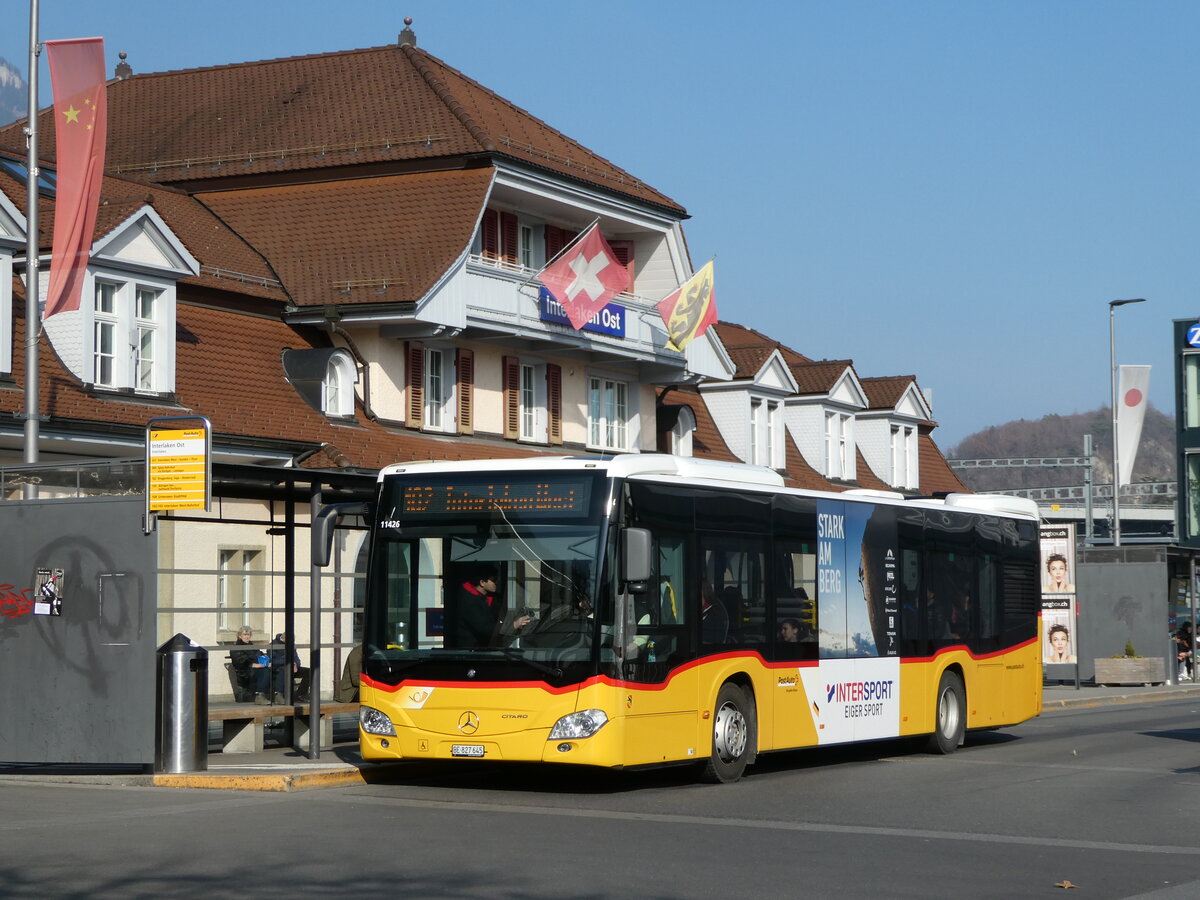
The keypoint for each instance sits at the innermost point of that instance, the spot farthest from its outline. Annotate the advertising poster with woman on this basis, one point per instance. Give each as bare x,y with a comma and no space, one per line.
1058,595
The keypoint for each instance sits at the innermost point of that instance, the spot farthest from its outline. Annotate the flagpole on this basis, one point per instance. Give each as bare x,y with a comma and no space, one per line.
32,244
575,240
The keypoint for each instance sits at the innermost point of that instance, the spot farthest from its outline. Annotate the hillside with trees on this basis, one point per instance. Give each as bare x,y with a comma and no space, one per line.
1062,436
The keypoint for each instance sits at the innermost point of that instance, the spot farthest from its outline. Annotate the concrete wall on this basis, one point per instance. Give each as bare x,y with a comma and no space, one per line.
1119,602
80,687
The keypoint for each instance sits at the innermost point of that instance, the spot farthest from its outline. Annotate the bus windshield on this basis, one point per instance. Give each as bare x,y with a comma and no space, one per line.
479,570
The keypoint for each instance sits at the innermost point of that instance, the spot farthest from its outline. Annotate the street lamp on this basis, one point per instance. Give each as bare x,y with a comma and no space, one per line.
1112,365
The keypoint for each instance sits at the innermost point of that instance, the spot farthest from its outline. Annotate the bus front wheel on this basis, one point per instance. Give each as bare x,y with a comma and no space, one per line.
950,714
733,729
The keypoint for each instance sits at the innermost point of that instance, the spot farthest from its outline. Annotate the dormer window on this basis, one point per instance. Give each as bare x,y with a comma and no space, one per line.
128,319
766,435
121,336
904,456
839,446
338,389
682,431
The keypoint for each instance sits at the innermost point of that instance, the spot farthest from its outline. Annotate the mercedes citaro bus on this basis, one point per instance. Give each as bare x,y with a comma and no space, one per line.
648,609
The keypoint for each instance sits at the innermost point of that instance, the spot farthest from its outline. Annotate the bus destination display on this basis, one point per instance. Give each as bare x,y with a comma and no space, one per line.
562,497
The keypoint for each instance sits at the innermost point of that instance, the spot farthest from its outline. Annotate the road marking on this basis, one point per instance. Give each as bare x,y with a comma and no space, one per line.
766,825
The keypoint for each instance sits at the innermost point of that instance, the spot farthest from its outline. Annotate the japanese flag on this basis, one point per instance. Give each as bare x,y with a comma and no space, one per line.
1133,383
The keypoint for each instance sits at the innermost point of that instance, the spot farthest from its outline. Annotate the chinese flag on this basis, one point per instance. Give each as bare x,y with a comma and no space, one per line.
690,309
80,125
586,278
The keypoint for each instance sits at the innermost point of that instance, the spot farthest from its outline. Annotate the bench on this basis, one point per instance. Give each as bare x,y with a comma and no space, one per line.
243,724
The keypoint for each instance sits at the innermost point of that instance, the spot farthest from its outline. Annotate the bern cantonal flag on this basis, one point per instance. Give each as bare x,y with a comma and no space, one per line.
690,309
80,126
1133,384
585,278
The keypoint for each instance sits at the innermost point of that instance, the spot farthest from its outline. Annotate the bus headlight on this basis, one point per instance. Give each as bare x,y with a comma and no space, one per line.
374,722
580,724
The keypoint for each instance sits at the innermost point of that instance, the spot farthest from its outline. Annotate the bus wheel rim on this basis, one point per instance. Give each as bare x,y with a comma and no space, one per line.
948,713
731,733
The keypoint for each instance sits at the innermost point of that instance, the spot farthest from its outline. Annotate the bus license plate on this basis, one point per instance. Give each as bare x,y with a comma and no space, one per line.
475,750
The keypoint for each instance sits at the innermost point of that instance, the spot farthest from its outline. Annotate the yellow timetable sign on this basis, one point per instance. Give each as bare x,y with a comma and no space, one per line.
177,468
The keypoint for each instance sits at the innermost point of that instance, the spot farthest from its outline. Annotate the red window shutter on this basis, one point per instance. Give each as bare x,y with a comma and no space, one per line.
466,391
491,234
554,241
554,404
415,355
508,237
623,250
512,397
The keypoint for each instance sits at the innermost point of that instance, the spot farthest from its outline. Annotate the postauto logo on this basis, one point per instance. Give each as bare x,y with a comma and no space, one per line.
859,691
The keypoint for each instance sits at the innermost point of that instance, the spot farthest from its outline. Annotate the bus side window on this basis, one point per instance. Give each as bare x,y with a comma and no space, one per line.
795,600
671,594
910,601
735,569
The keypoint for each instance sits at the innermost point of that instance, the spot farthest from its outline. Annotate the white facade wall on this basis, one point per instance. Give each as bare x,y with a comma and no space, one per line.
875,442
806,425
385,361
12,238
731,414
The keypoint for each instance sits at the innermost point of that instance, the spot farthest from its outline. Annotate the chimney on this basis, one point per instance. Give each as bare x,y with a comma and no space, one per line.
407,36
123,69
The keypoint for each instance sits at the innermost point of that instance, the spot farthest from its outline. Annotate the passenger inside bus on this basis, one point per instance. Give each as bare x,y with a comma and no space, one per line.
714,628
479,612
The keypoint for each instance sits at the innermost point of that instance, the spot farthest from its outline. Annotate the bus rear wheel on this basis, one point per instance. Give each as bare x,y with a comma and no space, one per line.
733,729
950,714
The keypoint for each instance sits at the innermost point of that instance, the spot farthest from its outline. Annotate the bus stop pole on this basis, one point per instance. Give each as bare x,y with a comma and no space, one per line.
314,607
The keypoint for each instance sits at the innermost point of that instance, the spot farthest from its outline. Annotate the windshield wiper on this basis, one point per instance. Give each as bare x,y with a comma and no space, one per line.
509,653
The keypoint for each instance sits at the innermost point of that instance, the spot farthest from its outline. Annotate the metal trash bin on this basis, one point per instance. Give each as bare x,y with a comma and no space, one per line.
181,720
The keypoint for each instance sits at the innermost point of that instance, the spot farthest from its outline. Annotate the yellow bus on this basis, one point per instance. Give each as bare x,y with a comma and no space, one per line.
648,609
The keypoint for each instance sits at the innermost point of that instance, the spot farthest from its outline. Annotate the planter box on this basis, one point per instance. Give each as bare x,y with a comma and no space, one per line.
1144,670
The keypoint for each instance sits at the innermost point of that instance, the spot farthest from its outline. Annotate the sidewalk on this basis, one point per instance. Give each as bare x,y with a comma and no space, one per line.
286,769
1060,696
273,769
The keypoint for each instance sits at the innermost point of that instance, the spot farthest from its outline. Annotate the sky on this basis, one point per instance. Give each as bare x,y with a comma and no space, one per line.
949,189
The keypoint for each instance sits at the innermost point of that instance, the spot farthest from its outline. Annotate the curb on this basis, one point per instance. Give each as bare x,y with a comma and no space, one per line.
1114,699
282,782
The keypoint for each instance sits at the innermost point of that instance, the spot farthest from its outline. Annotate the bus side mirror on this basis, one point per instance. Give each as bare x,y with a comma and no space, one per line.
636,551
323,525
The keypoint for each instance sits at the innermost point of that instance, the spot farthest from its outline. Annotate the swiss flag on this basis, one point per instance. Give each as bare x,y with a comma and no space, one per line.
585,278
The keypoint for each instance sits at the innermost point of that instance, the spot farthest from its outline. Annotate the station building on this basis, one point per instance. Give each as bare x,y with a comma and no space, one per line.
332,258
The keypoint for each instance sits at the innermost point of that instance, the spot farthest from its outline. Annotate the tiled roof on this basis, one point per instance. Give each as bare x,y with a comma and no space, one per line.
227,261
369,240
819,377
384,106
885,392
866,477
745,343
799,474
936,474
749,360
